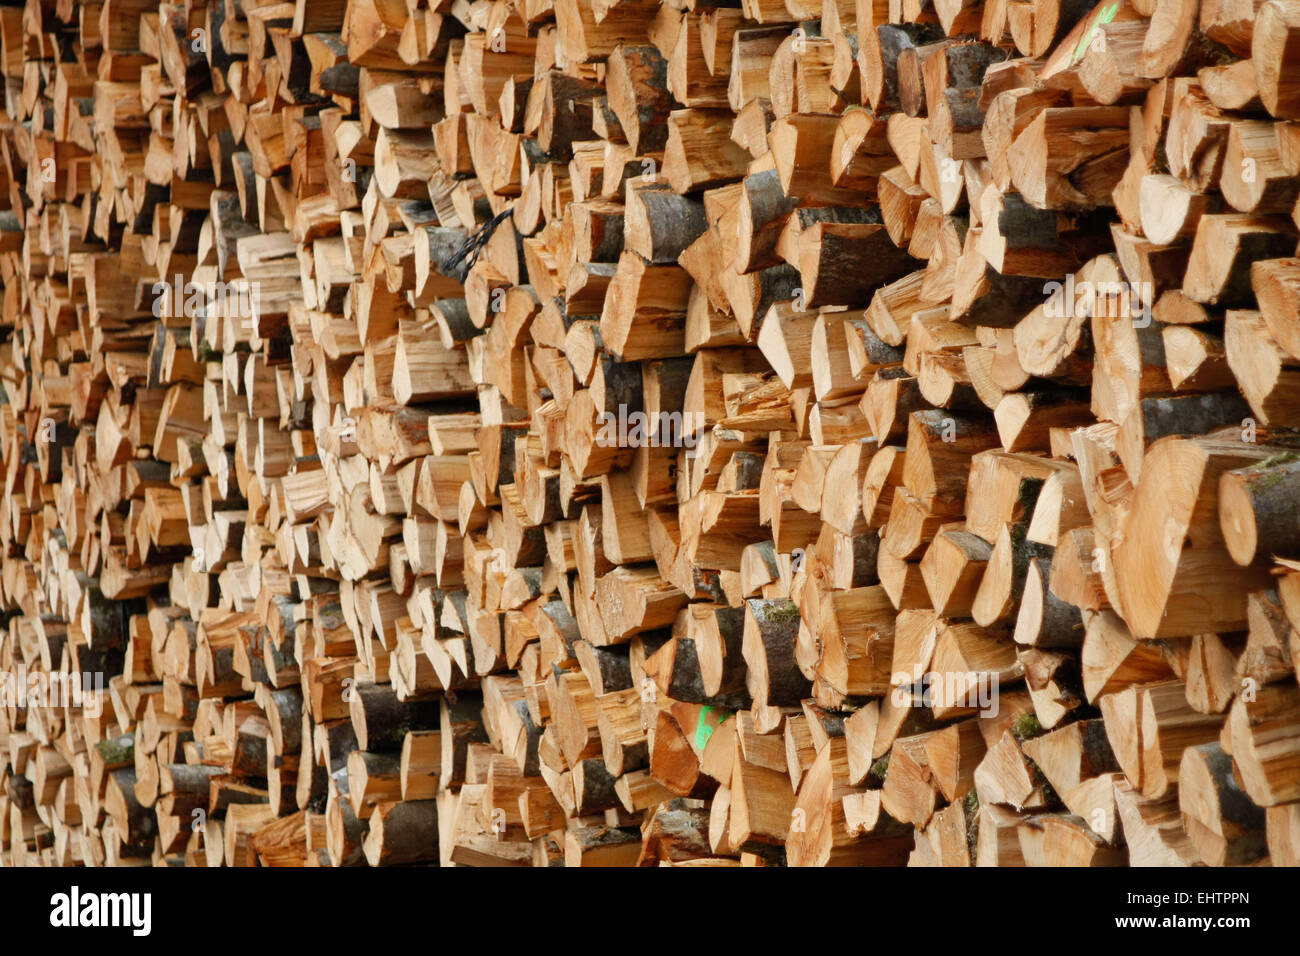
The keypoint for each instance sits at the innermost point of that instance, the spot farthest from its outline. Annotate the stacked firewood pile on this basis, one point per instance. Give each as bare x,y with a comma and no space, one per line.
588,433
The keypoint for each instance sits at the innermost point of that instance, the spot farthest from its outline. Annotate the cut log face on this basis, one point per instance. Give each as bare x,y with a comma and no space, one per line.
1170,554
1219,818
640,433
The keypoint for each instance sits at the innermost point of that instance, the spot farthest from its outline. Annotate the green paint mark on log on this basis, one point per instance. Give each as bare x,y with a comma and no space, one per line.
703,729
